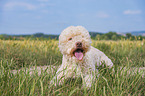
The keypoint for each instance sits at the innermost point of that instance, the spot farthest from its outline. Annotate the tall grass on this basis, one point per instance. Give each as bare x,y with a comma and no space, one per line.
24,54
123,52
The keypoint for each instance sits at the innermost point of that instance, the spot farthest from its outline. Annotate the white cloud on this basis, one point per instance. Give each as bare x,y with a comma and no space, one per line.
12,5
102,15
132,12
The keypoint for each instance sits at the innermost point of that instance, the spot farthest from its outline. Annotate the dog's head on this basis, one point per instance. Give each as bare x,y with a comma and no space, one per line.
74,42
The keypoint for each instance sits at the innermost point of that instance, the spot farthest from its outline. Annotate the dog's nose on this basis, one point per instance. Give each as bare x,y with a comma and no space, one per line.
79,44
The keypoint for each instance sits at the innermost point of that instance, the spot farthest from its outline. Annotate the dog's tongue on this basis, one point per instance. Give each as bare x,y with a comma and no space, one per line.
79,55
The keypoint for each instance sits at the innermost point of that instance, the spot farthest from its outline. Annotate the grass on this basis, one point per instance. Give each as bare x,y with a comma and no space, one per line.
25,54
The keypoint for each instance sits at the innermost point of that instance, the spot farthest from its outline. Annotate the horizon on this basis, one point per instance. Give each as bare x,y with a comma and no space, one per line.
51,17
59,34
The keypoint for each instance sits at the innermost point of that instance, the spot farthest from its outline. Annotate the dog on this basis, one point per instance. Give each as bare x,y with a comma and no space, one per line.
79,57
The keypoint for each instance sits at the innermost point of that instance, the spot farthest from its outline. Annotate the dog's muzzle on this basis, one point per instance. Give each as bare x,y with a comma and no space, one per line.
78,52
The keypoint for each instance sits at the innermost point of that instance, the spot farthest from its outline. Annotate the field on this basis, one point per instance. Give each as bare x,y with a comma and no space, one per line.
127,79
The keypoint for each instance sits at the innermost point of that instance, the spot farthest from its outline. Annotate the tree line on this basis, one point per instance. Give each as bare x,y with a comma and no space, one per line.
115,36
94,35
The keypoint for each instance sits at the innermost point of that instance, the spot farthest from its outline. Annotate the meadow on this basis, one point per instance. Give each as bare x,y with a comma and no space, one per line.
15,54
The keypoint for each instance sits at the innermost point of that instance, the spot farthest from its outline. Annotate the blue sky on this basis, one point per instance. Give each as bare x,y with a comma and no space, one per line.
52,16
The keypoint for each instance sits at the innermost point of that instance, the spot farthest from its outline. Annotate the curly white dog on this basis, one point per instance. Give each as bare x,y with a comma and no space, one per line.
79,57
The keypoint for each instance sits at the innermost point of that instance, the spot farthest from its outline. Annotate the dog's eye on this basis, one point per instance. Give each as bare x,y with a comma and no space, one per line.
70,39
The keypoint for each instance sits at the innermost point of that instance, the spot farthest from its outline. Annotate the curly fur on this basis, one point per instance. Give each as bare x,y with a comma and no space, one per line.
71,66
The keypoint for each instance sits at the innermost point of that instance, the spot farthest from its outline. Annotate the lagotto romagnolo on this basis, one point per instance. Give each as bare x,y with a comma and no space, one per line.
79,57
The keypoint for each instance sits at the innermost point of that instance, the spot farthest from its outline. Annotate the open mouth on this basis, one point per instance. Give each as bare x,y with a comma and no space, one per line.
78,53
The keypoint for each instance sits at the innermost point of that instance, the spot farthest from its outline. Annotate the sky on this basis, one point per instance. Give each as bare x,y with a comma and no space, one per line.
52,16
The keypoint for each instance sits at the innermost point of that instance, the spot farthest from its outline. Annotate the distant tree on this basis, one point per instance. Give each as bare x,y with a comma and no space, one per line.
10,37
132,38
128,35
114,37
98,37
110,34
93,34
1,37
38,35
122,37
140,37
106,37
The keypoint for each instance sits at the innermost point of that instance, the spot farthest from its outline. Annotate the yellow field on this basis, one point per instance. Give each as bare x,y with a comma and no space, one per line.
128,55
